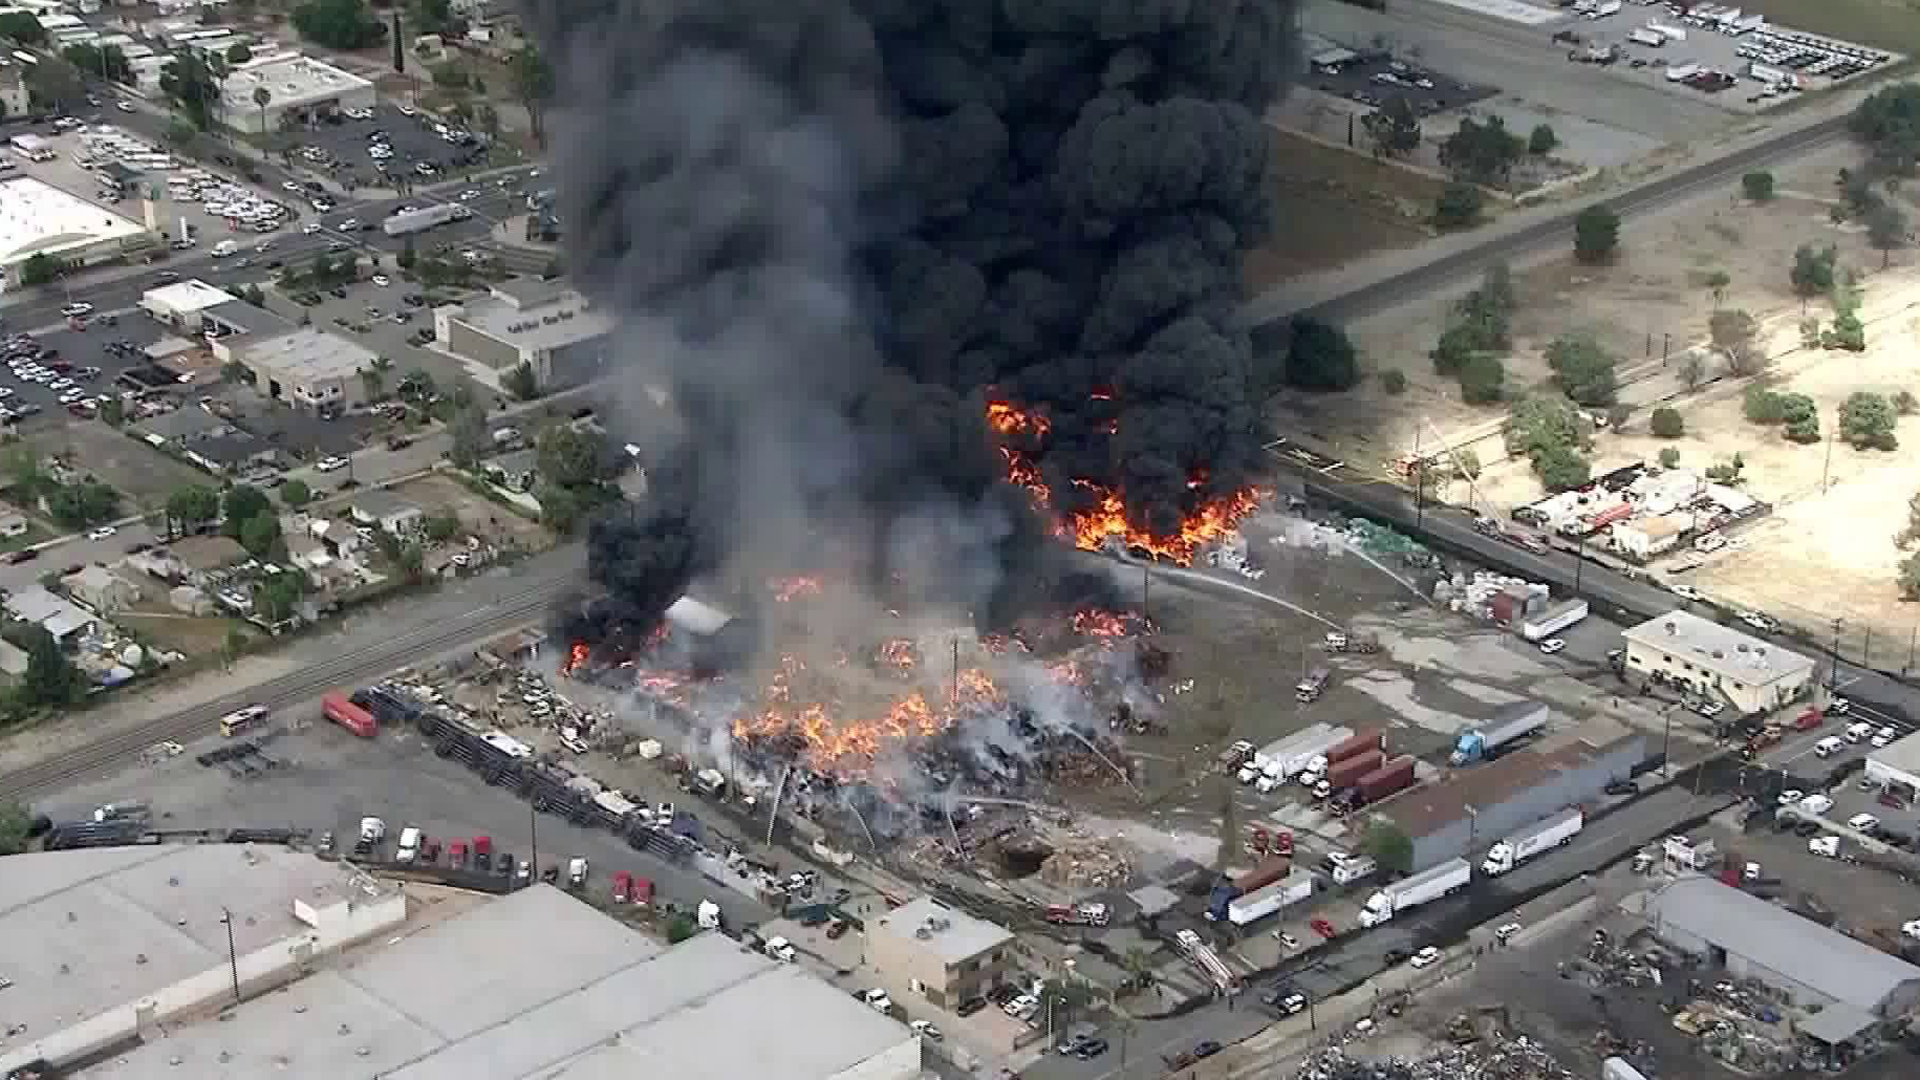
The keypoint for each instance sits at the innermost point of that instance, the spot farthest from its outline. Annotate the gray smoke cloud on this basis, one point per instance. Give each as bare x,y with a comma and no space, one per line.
837,227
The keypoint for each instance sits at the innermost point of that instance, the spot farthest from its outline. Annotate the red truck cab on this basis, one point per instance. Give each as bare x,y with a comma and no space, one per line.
483,852
622,887
457,854
642,891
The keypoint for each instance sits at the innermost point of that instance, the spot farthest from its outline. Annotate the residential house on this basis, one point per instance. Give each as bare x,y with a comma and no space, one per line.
388,512
66,621
233,454
13,525
202,555
103,589
517,472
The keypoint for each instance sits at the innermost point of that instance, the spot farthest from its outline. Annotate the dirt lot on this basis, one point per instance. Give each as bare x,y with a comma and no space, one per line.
169,629
483,518
1339,206
143,476
1654,297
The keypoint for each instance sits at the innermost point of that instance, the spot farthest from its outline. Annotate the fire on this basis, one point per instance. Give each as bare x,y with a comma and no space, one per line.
1106,519
787,589
1000,644
576,656
977,688
1009,419
898,654
832,741
668,685
1103,624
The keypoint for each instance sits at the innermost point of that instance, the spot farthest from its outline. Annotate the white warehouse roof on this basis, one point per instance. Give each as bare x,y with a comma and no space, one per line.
186,297
537,984
39,218
1721,650
291,81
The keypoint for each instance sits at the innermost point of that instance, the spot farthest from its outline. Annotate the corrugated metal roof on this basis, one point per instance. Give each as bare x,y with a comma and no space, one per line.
1824,960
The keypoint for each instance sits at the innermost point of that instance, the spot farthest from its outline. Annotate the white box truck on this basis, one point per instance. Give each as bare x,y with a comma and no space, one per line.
1559,829
1643,36
1263,902
1427,886
1553,620
1279,750
1347,869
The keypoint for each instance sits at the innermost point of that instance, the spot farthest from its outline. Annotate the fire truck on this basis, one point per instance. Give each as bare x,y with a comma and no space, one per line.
1078,914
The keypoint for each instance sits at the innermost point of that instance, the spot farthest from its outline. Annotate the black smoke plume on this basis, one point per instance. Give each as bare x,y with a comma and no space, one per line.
838,227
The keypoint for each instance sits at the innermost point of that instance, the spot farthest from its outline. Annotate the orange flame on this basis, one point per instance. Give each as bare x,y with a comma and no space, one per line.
576,656
898,653
1107,520
788,589
847,746
1009,419
1095,623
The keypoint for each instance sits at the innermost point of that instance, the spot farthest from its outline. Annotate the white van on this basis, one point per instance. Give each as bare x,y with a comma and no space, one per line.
1859,732
1828,746
409,844
224,248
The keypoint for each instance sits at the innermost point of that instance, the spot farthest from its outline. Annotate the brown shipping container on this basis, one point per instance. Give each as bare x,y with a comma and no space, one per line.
1387,779
1263,875
1359,744
1348,772
1505,608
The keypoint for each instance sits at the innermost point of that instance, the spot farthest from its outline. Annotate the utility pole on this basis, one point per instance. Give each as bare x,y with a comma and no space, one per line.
233,955
1666,747
1419,482
1826,470
1146,591
1579,562
956,670
1833,659
533,839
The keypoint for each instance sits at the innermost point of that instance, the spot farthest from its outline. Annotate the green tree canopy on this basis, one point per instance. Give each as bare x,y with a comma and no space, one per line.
338,24
1390,848
521,382
1320,356
50,680
1596,234
568,457
40,269
1541,422
1758,185
192,508
1394,128
22,27
1667,423
1458,205
1867,421
1813,269
15,824
260,535
1484,152
193,86
1583,371
243,503
1888,122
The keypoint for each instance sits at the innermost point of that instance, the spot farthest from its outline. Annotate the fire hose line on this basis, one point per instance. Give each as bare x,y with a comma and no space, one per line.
350,666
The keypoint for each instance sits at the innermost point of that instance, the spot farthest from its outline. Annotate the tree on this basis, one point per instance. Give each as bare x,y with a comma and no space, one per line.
1888,122
338,24
1393,381
1458,205
106,61
88,502
15,824
1813,270
399,44
239,54
1910,577
1583,371
1391,848
1487,311
262,97
1561,469
1667,423
532,85
1907,537
416,386
1482,151
521,382
374,381
1320,356
1693,369
470,438
1541,422
275,595
1848,333
260,535
244,502
194,86
113,412
1455,347
50,680
296,493
1867,421
1483,380
1905,403
440,528
1596,234
23,28
192,508
1758,185
40,269
1717,283
1886,229
54,85
1394,128
1669,457
1733,333
568,457
1542,141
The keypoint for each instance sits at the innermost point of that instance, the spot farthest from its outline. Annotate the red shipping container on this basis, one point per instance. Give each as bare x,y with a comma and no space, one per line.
1359,744
1348,772
1263,875
338,709
1394,776
1506,607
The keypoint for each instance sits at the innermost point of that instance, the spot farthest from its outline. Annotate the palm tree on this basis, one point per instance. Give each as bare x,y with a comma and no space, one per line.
261,96
1138,964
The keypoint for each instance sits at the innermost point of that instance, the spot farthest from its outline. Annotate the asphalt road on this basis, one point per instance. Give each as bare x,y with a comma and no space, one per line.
443,622
1399,288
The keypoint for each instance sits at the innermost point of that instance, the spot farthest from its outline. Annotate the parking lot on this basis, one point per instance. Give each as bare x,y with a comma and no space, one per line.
1713,61
42,369
1372,78
347,152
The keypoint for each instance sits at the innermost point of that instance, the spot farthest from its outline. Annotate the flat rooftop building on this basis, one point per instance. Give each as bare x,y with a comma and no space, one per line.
949,954
536,984
538,323
37,218
307,367
299,88
1685,650
179,305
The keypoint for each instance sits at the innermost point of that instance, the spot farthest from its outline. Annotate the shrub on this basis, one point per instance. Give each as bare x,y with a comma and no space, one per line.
1758,185
1669,457
1393,381
1667,423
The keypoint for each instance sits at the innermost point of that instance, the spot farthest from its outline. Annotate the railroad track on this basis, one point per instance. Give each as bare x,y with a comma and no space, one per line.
350,667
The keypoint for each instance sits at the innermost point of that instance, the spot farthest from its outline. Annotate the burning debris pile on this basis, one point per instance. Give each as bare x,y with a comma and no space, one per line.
1085,864
919,721
1518,1058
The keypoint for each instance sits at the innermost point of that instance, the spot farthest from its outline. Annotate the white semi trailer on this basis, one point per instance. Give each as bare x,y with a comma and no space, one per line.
1427,886
1559,829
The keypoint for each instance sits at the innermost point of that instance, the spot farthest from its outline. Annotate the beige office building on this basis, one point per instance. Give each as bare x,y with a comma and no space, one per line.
940,952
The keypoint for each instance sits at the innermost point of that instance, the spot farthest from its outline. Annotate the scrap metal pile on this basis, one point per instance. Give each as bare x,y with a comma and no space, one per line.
1518,1058
920,720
